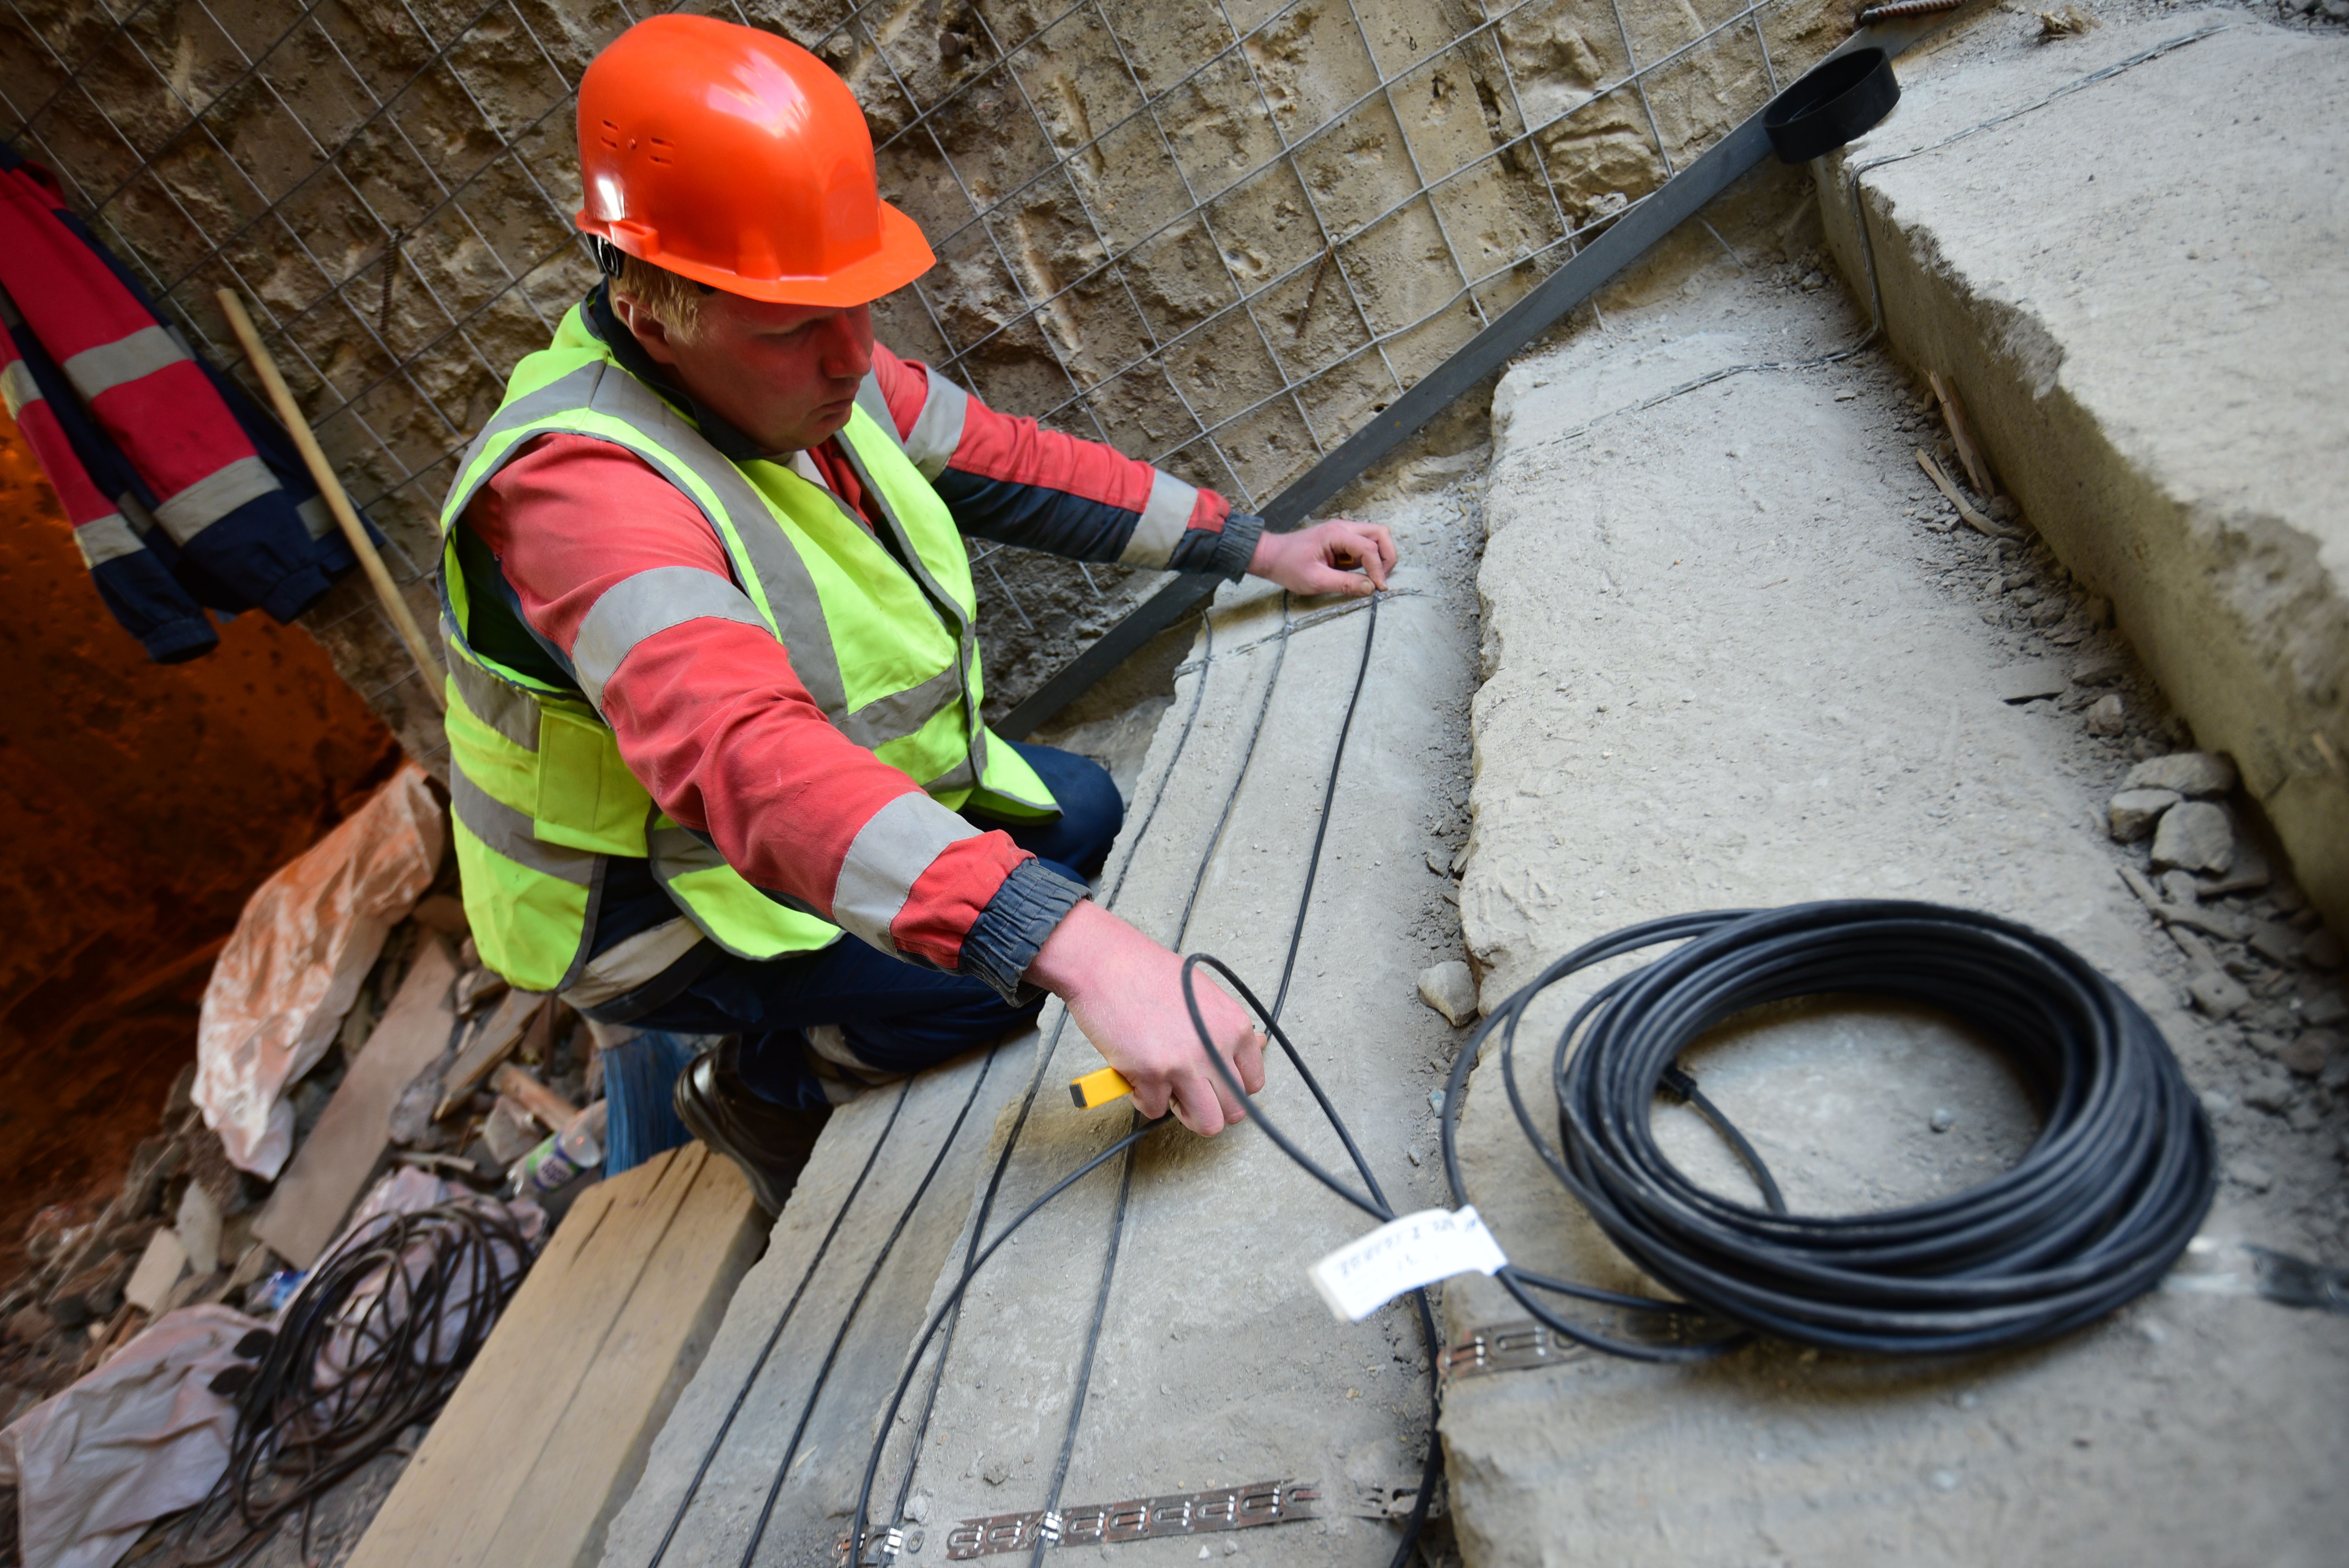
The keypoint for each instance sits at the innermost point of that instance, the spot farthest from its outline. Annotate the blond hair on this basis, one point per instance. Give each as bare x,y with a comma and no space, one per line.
673,301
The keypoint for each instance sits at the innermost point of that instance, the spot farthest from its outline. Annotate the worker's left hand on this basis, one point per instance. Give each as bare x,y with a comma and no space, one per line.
1338,556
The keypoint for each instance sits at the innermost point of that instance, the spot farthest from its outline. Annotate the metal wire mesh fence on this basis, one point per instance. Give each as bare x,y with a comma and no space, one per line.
1217,233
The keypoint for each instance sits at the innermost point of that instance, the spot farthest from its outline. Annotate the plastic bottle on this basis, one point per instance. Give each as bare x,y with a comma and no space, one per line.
556,1163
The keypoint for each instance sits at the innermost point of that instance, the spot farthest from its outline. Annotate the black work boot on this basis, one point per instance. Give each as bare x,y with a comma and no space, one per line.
770,1143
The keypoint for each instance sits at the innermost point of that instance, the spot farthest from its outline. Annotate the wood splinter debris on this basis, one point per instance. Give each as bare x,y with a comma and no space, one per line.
1973,519
1961,436
2068,22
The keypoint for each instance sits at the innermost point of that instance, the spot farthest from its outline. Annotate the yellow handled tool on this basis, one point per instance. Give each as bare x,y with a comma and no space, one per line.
1099,1089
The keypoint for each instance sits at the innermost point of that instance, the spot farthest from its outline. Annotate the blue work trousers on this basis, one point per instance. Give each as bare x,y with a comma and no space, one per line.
895,1017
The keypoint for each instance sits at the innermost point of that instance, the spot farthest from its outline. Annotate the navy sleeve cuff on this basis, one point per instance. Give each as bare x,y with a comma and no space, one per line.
1008,933
1227,554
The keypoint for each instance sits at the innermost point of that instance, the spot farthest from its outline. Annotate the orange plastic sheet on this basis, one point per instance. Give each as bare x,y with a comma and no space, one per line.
307,940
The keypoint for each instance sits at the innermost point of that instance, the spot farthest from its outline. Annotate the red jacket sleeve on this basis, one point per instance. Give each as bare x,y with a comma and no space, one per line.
1011,480
707,711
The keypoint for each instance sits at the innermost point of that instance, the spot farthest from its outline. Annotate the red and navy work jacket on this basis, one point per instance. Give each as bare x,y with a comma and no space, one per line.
184,496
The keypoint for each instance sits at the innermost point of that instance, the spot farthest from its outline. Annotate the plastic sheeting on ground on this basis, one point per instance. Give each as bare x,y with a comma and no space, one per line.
142,1436
304,944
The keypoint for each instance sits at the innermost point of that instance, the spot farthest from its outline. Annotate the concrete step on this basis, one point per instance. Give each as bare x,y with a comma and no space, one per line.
1740,655
2138,290
1216,1365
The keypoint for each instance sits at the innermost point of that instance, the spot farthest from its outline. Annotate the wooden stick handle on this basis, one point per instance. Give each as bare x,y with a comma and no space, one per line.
338,502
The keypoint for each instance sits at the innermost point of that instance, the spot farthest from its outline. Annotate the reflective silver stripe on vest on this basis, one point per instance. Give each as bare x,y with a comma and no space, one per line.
638,960
213,497
315,517
967,769
644,606
950,614
17,386
512,713
790,593
97,370
903,713
509,832
105,538
1165,516
875,404
937,430
891,852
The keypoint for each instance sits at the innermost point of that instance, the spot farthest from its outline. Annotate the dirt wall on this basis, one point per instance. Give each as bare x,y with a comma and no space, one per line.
1220,234
139,805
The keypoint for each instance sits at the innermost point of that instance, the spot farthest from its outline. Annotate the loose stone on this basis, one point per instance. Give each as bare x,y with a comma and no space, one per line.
1943,1119
2215,993
2306,1052
1451,990
2131,814
2194,836
2191,773
2272,1091
2106,716
2098,669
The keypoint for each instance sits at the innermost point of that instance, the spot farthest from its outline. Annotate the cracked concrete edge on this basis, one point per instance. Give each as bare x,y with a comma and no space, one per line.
2229,583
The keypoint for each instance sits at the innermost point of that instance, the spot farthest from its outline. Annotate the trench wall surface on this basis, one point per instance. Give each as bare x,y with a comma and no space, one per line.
1219,233
139,806
2137,292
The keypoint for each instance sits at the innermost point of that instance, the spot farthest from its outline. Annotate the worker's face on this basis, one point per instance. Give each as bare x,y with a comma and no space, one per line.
783,375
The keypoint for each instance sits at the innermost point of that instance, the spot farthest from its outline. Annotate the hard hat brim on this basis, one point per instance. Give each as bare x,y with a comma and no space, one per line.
902,255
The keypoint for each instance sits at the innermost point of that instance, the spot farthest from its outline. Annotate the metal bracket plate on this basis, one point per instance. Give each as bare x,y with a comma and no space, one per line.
1137,1519
1508,1348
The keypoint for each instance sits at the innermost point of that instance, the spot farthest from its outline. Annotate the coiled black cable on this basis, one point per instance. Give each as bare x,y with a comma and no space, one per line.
375,1342
2100,1207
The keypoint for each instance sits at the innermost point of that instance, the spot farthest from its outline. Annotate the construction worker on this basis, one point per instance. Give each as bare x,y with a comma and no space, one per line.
714,689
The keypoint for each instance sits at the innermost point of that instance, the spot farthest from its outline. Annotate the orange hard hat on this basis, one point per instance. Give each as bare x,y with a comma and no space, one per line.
738,159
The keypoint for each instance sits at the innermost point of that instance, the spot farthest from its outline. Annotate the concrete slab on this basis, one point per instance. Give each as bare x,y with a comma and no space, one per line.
1732,660
2138,290
819,1278
1217,1364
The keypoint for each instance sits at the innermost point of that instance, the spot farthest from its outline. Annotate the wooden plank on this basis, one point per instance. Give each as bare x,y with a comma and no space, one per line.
493,1042
491,1431
591,1465
331,1169
508,1421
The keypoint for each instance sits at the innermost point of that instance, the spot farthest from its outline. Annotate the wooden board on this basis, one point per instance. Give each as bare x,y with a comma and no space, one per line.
545,1437
331,1169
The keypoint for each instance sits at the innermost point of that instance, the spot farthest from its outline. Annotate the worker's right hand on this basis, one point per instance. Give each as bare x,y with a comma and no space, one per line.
1125,992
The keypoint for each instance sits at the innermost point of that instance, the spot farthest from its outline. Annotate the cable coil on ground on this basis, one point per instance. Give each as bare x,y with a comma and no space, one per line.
2100,1207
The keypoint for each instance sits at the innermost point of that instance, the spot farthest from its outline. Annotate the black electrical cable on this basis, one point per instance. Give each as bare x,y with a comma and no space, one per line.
375,1342
774,1334
2093,1214
856,1306
1081,1385
951,1308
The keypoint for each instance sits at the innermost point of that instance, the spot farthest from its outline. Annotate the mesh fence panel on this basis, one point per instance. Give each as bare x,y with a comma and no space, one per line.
1218,233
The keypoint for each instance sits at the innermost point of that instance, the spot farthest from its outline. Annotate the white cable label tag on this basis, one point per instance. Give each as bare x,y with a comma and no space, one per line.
1402,1254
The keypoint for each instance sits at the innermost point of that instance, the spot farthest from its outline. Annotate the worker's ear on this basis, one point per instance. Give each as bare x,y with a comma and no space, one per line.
651,332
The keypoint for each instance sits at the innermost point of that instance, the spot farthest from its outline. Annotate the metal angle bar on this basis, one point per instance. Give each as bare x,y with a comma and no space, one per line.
1542,307
1137,1519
